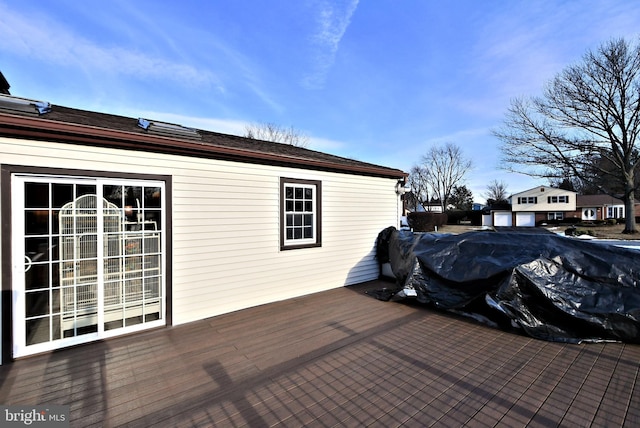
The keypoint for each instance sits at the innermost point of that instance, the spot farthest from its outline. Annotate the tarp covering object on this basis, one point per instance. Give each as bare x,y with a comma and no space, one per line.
555,288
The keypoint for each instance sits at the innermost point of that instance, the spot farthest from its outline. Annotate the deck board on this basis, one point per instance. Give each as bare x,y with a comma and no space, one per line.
336,358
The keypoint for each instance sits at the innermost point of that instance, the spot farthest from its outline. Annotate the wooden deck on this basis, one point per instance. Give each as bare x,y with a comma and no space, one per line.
337,358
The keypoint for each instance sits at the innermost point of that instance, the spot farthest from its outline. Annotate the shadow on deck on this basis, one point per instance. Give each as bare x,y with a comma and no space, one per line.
336,358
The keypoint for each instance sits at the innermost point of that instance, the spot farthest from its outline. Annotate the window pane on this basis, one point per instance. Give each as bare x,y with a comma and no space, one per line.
36,303
55,274
55,221
299,192
153,220
289,233
62,193
152,264
87,246
36,222
56,330
152,288
288,192
297,220
85,189
289,219
55,301
37,249
37,276
308,232
36,195
308,220
308,206
131,203
308,193
113,194
298,206
133,196
37,331
297,233
152,197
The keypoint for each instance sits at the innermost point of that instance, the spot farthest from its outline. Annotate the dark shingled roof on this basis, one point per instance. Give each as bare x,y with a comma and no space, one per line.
597,200
96,128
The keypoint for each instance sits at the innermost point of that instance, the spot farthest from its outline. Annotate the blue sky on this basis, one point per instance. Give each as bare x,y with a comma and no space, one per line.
380,81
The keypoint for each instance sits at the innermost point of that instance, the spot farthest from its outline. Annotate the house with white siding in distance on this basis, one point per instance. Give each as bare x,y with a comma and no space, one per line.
541,204
534,206
113,225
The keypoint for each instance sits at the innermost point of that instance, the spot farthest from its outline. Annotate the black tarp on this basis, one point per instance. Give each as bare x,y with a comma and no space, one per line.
553,287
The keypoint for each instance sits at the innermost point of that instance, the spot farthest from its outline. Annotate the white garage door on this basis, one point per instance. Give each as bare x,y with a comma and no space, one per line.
502,219
525,219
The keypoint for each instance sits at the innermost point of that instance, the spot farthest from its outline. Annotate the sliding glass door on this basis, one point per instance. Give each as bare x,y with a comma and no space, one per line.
88,259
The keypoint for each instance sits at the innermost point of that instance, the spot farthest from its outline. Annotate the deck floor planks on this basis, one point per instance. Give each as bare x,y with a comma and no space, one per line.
336,358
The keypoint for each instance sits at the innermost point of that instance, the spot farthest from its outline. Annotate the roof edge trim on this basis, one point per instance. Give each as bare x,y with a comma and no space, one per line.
40,128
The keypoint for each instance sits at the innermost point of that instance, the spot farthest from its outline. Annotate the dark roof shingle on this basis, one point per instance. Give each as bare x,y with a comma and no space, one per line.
104,129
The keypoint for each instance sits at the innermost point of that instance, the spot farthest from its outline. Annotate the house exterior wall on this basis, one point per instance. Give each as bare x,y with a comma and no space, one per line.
601,212
226,251
541,202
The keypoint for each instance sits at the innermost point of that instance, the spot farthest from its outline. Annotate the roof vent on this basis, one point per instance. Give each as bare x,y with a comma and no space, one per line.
168,129
10,104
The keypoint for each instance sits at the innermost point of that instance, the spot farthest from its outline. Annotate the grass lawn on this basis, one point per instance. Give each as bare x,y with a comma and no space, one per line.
604,231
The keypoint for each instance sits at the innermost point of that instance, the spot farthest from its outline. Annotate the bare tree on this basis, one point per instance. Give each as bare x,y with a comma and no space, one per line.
419,185
446,168
588,113
496,192
276,133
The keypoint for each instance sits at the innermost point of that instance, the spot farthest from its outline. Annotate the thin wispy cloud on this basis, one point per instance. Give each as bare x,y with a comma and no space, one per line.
333,19
224,126
325,145
518,50
52,43
438,71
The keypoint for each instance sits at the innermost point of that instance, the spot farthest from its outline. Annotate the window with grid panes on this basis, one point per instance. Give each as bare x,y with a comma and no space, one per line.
92,255
300,213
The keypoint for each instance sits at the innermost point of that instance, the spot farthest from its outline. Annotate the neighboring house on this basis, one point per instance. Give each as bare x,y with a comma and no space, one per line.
432,207
599,207
534,206
603,207
113,225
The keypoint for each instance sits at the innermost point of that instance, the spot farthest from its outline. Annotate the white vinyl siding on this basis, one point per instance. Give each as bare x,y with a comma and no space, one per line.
544,199
226,220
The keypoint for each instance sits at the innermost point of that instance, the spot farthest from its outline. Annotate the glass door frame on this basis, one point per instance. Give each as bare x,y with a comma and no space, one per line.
18,234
